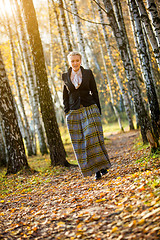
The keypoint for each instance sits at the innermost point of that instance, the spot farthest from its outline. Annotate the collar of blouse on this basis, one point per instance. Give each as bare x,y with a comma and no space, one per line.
76,78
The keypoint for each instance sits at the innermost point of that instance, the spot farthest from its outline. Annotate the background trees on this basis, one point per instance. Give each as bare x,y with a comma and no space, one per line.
119,40
13,139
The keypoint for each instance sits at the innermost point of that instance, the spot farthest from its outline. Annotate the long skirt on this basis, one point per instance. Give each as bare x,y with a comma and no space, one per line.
85,128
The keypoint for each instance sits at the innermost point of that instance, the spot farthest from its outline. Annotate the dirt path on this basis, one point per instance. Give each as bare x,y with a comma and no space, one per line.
120,152
122,205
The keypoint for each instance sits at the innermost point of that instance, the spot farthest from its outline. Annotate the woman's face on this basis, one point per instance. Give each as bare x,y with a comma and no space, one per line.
75,62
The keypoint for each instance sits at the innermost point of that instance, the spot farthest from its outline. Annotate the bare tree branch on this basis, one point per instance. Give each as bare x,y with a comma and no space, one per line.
101,8
84,18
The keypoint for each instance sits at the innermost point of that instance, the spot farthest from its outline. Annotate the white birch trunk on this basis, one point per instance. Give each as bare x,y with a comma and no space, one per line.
17,159
155,19
3,141
80,39
30,83
149,30
70,27
29,138
130,73
65,26
62,45
115,70
90,48
145,67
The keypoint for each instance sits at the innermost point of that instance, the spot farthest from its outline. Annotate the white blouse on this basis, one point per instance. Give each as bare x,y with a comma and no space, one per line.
76,78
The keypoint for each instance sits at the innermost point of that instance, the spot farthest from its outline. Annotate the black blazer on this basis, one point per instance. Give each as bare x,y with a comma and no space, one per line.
86,94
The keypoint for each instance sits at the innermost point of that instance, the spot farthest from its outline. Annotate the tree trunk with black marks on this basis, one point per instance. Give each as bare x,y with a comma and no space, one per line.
32,90
149,30
29,138
17,159
62,45
72,37
144,120
154,19
57,151
81,44
65,26
116,71
3,152
145,67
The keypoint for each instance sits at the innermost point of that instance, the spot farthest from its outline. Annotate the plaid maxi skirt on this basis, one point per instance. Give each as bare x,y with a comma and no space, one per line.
85,128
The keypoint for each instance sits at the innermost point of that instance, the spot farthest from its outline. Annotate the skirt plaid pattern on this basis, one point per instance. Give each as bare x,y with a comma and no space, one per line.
85,128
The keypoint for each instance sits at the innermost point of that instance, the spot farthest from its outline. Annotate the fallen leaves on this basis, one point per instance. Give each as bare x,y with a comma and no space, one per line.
125,202
100,200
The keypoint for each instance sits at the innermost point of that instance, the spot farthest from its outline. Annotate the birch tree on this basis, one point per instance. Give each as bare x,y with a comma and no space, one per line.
31,86
57,152
154,18
65,26
3,156
149,30
145,67
61,40
28,136
55,96
130,73
120,21
17,159
81,44
72,37
2,130
116,72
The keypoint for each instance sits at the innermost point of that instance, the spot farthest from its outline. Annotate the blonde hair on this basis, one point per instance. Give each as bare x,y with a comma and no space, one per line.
74,54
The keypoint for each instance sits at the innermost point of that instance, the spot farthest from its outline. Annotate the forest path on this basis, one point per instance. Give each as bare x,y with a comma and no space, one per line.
124,204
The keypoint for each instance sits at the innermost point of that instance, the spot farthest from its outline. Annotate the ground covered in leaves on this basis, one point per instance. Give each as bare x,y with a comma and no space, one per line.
124,204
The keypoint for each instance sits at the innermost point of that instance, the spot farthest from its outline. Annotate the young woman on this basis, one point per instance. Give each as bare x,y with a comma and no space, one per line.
82,108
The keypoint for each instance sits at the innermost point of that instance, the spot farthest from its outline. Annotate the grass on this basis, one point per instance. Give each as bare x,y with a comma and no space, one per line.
24,181
139,145
40,163
114,127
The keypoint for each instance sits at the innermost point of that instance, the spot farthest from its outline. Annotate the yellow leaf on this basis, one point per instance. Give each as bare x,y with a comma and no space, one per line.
141,222
102,195
114,229
118,177
101,200
95,217
61,224
134,222
129,208
79,225
35,229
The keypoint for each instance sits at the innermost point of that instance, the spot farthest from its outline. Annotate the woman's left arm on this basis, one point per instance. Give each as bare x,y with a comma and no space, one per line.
94,91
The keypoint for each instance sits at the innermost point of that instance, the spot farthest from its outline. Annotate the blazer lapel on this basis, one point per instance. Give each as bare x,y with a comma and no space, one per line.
84,77
68,80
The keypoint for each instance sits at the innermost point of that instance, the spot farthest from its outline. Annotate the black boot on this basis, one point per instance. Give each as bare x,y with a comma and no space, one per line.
104,171
98,175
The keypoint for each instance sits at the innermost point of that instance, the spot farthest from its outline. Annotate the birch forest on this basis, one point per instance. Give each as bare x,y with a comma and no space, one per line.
118,40
43,194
